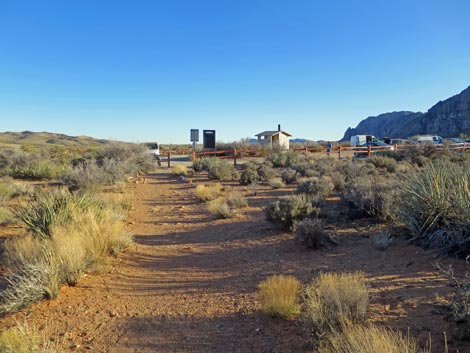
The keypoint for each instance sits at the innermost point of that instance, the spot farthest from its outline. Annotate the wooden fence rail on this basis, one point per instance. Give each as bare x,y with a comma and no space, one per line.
339,151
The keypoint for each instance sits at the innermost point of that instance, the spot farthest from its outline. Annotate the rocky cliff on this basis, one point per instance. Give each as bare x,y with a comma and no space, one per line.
448,118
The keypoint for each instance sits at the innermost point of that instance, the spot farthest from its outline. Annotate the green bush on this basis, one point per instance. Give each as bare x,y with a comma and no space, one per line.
288,209
384,162
280,157
249,175
220,170
265,172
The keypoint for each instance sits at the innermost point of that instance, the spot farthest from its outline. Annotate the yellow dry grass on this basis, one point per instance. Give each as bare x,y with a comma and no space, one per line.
208,192
279,295
362,339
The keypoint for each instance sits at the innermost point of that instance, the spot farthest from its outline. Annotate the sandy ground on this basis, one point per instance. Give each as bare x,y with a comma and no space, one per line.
189,283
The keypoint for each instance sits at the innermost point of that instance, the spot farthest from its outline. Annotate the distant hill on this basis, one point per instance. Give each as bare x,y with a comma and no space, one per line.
48,138
447,118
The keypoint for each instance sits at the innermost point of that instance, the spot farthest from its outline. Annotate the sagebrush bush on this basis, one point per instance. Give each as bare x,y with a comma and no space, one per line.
204,163
237,200
289,176
208,192
276,183
249,175
279,295
86,177
220,170
334,300
280,157
312,233
375,197
433,204
381,161
368,339
220,209
321,187
265,172
288,209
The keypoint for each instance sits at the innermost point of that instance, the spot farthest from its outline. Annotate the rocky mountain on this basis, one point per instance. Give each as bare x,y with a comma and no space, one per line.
448,118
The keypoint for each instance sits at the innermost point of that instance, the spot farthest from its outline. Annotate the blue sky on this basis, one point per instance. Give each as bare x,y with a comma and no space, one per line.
152,70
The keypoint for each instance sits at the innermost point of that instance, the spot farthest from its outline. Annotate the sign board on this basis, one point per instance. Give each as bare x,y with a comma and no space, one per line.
209,139
194,135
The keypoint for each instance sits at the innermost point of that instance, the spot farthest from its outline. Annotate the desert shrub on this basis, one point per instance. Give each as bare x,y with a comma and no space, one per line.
49,209
220,170
289,176
23,339
39,265
204,163
237,200
338,180
433,204
373,197
321,187
265,172
86,177
235,174
370,338
276,183
312,233
280,157
5,217
220,209
208,192
38,169
381,161
179,169
382,239
288,209
325,166
249,175
334,300
302,167
279,295
459,304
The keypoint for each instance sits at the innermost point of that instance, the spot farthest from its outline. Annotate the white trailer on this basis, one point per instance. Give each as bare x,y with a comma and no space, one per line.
361,140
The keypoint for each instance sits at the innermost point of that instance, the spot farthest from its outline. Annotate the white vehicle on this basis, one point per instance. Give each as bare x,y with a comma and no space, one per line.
362,140
433,139
153,148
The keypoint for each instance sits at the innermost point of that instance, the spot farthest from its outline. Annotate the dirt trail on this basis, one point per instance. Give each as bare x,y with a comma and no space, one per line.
189,282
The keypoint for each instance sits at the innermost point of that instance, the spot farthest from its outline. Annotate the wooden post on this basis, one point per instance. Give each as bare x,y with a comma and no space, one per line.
234,156
194,156
339,152
168,160
306,149
396,148
369,151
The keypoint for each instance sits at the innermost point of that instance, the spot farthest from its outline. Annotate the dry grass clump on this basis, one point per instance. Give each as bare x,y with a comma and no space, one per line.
208,192
238,200
179,169
220,209
5,217
69,245
368,339
279,295
24,338
334,300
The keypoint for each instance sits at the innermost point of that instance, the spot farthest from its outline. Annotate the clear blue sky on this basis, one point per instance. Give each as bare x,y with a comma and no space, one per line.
152,70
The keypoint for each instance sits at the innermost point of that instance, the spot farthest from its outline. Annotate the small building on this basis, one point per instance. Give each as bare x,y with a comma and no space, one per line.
274,138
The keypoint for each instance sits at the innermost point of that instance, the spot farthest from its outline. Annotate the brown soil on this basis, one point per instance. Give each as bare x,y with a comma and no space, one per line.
189,283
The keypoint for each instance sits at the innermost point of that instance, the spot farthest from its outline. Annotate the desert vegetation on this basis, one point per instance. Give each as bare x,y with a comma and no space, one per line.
70,222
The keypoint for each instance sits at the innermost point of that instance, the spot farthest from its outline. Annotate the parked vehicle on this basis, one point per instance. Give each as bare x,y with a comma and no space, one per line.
454,141
362,140
152,148
433,139
380,144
